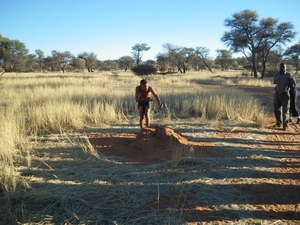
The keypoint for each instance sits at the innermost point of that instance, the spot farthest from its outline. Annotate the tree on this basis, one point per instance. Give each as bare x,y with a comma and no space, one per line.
151,62
175,55
30,62
188,54
50,63
109,65
137,52
224,58
275,57
13,55
62,59
202,53
255,38
273,35
90,60
40,57
294,53
126,62
78,64
163,63
196,63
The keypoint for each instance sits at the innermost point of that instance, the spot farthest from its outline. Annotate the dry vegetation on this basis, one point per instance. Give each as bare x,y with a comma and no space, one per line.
51,174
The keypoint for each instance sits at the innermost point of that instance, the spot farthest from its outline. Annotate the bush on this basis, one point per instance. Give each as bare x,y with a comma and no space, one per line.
271,72
141,70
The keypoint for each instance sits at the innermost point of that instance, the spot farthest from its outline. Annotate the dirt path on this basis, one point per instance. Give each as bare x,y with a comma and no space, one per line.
286,195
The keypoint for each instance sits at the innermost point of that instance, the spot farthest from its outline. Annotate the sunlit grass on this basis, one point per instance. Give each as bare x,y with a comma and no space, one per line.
34,105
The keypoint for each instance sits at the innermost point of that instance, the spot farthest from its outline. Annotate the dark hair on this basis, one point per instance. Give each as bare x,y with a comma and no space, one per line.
144,81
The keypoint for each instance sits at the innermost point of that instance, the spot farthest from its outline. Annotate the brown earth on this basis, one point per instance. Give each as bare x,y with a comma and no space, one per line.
278,201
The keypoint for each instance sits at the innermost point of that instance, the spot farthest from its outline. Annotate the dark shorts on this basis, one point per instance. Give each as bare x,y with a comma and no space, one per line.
144,104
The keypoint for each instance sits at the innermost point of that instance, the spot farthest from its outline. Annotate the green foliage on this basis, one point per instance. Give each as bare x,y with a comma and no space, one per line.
13,55
137,52
255,38
126,62
144,69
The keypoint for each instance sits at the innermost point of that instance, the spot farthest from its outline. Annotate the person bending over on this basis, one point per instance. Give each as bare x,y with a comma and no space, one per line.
142,97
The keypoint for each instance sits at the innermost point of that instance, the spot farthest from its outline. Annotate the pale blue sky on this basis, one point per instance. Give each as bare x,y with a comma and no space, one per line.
109,28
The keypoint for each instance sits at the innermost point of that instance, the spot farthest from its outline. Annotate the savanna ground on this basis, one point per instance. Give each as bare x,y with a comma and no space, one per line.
183,171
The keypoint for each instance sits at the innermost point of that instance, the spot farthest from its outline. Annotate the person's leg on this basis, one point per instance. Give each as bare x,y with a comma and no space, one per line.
285,99
141,114
292,106
296,108
277,111
147,115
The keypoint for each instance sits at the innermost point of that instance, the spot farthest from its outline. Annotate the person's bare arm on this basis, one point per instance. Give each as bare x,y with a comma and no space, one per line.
157,98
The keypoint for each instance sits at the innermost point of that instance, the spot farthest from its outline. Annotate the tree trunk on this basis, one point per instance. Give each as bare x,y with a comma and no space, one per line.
263,70
254,67
205,64
179,69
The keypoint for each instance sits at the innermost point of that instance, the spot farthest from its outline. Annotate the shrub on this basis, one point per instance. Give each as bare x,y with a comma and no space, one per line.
143,69
270,72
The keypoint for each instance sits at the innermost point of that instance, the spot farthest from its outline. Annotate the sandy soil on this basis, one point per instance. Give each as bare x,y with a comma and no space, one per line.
279,200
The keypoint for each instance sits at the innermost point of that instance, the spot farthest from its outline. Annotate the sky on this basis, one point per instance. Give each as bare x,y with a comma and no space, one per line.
110,28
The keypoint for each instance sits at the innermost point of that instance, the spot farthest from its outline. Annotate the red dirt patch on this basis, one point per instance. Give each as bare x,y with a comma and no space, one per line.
152,145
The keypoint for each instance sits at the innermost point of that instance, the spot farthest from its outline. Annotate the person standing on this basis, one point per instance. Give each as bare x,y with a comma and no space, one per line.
284,81
293,103
142,97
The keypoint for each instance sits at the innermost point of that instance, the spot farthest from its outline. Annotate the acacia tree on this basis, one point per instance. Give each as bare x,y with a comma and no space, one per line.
30,62
255,38
175,55
196,63
78,64
137,52
188,55
275,57
163,63
126,62
224,58
182,57
13,55
62,59
50,64
274,35
40,57
90,60
109,65
294,53
202,53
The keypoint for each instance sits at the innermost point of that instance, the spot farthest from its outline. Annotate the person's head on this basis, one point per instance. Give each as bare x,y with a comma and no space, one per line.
144,84
282,68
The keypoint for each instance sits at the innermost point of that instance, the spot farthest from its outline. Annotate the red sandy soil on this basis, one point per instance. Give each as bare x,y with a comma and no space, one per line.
152,145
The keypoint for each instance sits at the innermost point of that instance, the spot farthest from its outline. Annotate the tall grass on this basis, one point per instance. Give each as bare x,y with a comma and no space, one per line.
219,104
34,105
56,103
